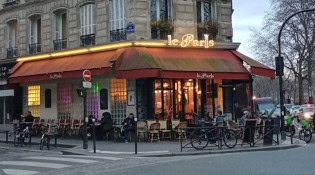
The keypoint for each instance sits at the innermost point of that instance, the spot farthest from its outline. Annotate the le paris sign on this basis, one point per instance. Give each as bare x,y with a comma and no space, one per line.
87,76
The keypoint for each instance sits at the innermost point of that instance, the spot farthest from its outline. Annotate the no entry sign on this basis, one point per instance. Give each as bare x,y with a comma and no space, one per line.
87,75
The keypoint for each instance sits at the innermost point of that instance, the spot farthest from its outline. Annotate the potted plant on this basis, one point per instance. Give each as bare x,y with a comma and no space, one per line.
160,29
207,27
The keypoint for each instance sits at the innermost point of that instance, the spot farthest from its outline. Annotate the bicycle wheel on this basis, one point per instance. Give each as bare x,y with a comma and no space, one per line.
229,138
306,135
290,131
16,140
199,139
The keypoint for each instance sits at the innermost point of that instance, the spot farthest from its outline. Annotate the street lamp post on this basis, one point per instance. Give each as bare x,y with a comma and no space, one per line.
280,67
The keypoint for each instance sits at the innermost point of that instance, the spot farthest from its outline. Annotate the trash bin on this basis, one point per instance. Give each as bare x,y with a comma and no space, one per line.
276,123
268,131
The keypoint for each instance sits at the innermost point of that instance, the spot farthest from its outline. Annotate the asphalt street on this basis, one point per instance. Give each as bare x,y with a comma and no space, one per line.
297,161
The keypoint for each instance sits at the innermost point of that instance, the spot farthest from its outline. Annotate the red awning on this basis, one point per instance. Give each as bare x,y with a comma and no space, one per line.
256,68
138,62
65,67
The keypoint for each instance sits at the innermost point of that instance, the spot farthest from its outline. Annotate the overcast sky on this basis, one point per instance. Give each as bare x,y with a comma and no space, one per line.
247,13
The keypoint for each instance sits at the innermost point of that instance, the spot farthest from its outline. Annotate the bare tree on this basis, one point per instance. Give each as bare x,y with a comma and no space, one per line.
298,41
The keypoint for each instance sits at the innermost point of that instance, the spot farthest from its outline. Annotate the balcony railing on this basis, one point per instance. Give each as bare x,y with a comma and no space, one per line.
118,35
87,40
35,48
159,34
12,52
60,44
10,2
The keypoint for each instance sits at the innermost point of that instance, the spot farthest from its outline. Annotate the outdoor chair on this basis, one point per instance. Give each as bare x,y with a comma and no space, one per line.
165,133
236,128
142,129
154,132
180,132
249,130
175,124
35,126
75,127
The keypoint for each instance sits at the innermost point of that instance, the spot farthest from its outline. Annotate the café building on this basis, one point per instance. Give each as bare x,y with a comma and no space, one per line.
163,79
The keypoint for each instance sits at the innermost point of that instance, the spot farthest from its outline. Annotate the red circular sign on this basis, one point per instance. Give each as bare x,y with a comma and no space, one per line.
87,76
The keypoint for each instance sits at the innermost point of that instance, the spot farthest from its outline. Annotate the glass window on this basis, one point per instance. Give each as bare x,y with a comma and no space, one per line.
118,99
64,101
118,14
104,99
161,9
48,98
12,33
35,30
87,16
61,25
204,11
33,100
92,100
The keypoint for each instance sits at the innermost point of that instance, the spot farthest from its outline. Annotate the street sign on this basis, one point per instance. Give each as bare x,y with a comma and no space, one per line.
87,84
130,27
87,76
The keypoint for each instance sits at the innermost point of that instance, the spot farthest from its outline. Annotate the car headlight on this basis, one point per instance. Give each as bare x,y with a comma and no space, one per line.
307,116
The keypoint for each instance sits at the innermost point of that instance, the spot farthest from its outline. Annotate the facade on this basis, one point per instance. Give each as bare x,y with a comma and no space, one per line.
160,59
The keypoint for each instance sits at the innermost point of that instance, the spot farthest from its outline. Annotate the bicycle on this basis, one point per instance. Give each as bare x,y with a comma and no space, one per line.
201,137
50,129
306,132
291,127
19,137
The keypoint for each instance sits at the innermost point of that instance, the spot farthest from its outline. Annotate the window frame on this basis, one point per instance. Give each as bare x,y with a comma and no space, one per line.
169,10
87,19
35,29
212,11
121,20
12,33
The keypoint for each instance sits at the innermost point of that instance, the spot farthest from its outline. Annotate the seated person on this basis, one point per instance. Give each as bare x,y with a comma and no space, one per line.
220,119
129,125
105,126
28,119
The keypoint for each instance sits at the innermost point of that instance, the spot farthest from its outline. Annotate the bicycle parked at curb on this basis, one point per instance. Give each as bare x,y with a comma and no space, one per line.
49,130
291,126
20,135
200,138
306,131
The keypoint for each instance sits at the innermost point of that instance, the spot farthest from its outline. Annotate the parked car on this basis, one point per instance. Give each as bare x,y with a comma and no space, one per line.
295,110
288,106
306,113
263,104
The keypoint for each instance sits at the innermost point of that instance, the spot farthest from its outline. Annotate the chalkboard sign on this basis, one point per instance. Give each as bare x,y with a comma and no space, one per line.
249,132
104,99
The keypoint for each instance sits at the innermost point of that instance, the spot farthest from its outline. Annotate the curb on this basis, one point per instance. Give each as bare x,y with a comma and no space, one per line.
52,145
272,148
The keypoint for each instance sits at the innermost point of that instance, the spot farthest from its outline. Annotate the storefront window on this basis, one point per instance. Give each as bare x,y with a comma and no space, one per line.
48,98
104,99
64,101
33,100
92,100
118,99
158,99
168,98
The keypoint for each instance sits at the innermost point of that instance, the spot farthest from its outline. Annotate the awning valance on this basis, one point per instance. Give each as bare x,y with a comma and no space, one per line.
256,68
65,67
179,63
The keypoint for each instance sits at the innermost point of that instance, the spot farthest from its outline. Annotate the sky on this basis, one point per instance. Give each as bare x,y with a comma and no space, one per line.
247,13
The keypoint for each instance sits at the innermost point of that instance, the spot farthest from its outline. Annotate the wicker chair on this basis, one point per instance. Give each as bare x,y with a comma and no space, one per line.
142,129
154,132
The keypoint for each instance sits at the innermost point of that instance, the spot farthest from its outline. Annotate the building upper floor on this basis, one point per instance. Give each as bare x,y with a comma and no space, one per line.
30,27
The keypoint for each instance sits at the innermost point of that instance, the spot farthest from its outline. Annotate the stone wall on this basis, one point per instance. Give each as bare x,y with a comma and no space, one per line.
138,12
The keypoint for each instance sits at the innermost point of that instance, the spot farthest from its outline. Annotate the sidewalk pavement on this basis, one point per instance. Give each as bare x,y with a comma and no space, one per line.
156,149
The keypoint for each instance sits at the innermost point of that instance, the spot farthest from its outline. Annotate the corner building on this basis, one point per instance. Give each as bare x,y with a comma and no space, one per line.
158,59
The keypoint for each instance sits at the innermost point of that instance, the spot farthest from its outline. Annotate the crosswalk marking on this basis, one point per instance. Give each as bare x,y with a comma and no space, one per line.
19,172
95,157
35,164
117,152
63,159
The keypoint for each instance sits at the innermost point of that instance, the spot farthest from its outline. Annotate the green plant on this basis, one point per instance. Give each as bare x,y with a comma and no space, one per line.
208,27
164,26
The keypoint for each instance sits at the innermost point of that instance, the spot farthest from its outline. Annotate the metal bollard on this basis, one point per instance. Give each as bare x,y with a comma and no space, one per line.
94,140
136,137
